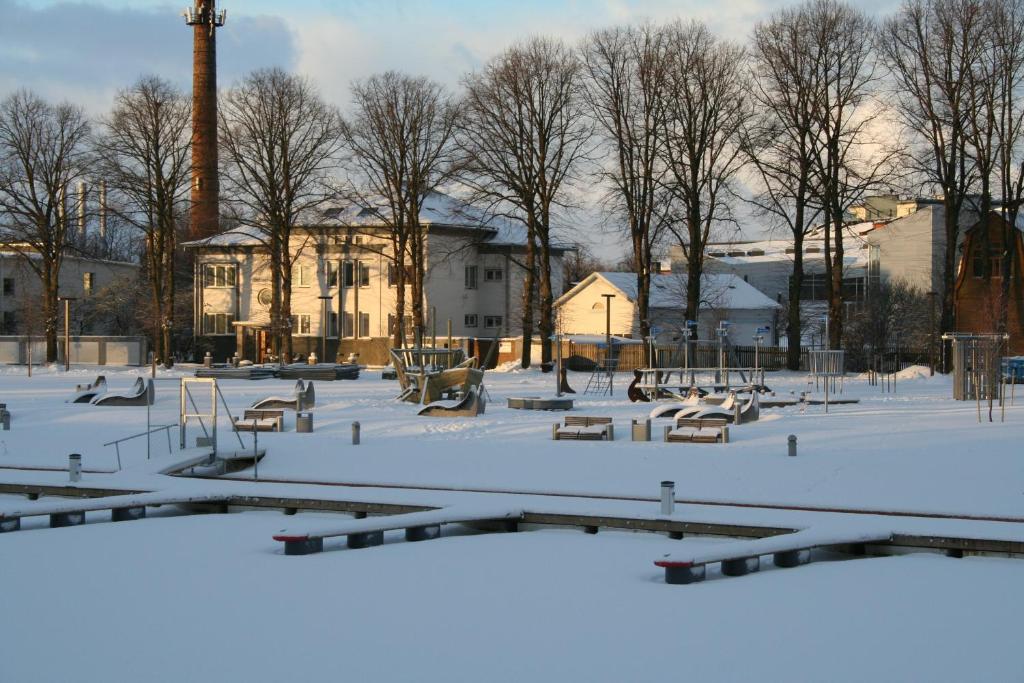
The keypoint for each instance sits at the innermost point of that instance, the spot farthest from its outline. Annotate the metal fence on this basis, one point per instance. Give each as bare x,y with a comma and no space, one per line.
701,354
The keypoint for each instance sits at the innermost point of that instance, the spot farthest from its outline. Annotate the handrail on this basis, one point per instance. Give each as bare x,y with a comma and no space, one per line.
135,436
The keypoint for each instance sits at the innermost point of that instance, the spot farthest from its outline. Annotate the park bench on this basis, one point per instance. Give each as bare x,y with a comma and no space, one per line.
260,420
367,532
742,557
698,430
303,399
584,428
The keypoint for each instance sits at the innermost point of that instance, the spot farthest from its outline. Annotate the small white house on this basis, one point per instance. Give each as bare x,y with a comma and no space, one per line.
581,310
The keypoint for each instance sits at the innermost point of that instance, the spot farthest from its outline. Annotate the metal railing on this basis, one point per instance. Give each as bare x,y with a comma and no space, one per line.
117,442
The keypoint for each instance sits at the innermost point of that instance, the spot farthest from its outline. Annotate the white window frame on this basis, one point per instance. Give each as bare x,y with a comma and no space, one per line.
300,321
211,323
493,321
220,268
471,280
471,320
494,274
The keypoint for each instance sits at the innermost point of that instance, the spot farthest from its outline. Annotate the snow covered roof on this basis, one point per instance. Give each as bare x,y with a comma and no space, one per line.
439,209
718,290
764,251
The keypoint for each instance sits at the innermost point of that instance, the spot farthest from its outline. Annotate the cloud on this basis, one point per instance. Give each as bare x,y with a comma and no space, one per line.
85,52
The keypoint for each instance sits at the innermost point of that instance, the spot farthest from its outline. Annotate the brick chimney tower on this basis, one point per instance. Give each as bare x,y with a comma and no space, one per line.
204,20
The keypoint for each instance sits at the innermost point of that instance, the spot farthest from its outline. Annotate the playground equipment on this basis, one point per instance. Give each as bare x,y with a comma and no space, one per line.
85,393
471,404
142,393
427,384
651,384
827,369
303,399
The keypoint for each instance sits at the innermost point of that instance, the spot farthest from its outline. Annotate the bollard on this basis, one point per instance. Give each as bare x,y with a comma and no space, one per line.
355,433
792,445
75,467
668,497
311,360
208,360
736,417
5,420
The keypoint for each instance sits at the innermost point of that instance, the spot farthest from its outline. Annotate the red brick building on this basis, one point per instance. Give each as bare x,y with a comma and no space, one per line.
977,297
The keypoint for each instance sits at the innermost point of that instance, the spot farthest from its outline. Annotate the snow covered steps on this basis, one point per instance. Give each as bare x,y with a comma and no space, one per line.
419,526
743,557
122,508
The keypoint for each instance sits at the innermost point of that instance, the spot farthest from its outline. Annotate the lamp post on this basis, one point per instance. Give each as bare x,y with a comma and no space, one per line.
67,330
722,331
323,324
608,319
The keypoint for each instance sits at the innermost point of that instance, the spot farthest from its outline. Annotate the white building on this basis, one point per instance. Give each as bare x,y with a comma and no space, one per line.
474,279
582,310
21,291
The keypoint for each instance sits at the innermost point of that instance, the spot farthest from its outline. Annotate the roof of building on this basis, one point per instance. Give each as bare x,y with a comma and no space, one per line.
668,290
438,209
765,251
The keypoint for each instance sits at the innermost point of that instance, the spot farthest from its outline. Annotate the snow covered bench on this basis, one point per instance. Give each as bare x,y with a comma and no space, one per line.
65,513
303,399
255,420
698,430
742,557
363,533
584,428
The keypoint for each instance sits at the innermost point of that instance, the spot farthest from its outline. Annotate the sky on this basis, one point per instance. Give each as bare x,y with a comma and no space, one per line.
84,51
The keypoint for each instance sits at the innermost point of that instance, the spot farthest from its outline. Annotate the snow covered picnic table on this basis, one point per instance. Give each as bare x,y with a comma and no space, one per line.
366,532
742,557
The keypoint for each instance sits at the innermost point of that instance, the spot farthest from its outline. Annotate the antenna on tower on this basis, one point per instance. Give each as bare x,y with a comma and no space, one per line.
205,15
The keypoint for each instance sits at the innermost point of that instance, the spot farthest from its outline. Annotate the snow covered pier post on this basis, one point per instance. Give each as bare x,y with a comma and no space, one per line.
75,467
355,433
128,514
792,445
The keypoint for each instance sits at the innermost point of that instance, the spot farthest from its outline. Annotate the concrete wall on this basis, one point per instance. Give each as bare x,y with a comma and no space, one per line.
84,350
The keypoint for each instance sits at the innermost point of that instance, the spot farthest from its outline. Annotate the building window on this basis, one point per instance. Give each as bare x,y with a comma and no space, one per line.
219,275
332,324
392,275
364,324
874,264
995,251
88,280
348,274
364,274
470,320
347,325
470,277
813,287
332,274
8,323
218,323
301,277
492,321
8,286
493,274
300,324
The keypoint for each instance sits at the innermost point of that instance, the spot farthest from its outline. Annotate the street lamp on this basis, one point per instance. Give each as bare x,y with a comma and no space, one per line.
67,330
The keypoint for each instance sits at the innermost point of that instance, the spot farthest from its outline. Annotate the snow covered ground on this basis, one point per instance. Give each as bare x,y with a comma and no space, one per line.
206,597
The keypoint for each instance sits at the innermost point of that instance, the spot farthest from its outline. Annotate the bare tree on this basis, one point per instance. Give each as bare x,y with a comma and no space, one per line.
708,107
524,136
932,48
44,151
780,144
281,142
627,81
143,154
400,140
848,162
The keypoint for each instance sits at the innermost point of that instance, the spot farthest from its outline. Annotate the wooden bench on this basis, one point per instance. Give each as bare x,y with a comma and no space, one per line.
698,430
743,557
419,526
260,420
584,428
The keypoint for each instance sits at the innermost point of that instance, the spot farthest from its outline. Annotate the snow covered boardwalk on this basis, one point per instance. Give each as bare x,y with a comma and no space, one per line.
122,508
419,526
742,557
